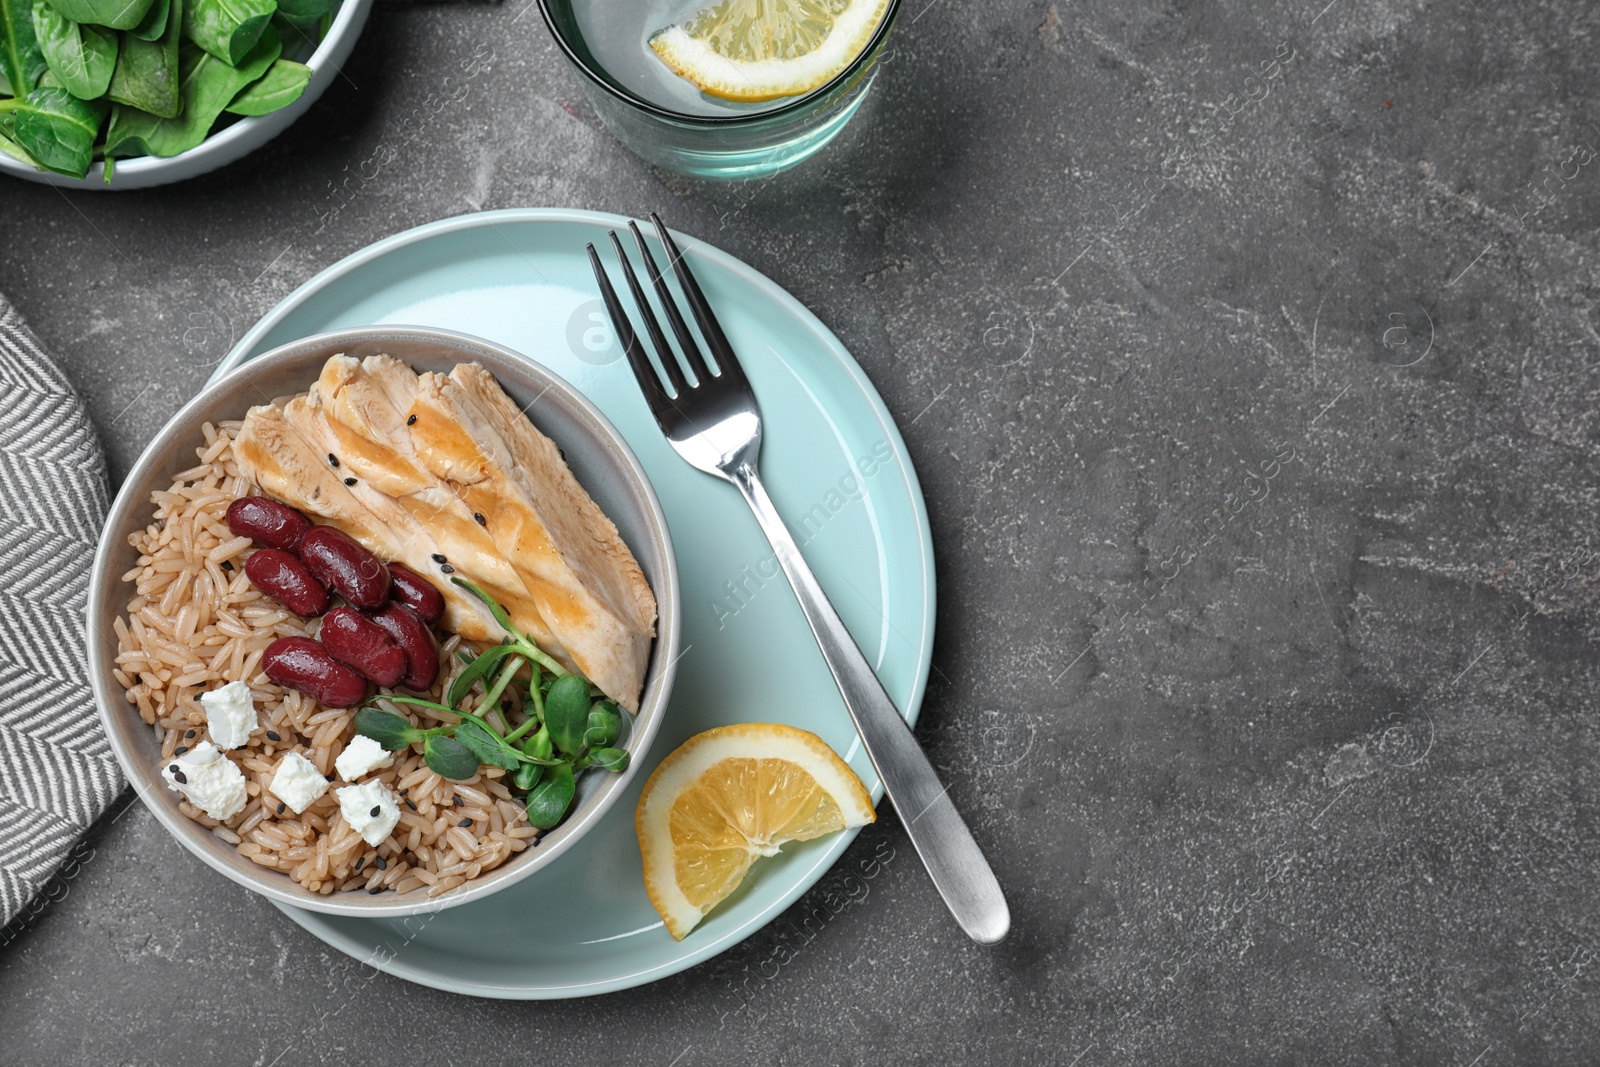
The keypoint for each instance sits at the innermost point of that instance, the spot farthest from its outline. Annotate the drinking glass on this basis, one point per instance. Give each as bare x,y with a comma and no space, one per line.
666,120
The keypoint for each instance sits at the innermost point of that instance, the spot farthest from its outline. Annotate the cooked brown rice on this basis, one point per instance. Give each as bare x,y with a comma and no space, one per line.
196,622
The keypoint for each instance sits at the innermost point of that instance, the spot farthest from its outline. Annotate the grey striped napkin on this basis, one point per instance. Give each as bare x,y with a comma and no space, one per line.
57,773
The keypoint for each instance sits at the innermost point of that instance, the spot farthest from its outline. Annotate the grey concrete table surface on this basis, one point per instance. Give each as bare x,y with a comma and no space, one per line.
1246,352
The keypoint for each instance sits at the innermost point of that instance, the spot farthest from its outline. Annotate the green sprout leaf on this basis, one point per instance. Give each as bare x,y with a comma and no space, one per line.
477,670
539,745
566,713
551,797
450,758
488,747
527,776
609,759
494,607
604,723
388,729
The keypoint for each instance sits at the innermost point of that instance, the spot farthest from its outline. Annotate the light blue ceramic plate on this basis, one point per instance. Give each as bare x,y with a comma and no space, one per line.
837,468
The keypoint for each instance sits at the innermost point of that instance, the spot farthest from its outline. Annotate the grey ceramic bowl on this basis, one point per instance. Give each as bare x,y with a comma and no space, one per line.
239,139
597,454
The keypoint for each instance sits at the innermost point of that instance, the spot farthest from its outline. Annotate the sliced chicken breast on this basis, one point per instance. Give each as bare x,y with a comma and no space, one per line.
356,400
287,464
586,582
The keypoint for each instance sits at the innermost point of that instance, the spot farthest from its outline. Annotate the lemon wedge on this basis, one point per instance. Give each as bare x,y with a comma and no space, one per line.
730,796
755,50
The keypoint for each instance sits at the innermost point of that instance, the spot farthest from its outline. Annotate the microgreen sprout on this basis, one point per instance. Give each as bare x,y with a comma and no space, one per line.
568,725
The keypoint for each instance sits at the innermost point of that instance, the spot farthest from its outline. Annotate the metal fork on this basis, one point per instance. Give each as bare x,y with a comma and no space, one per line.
714,423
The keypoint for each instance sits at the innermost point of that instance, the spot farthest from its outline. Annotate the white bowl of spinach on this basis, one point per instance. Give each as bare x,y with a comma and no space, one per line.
125,94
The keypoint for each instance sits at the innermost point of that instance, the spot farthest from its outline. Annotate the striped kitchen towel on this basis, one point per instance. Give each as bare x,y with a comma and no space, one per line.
57,773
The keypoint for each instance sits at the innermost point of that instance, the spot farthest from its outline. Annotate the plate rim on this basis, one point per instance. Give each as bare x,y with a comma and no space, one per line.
805,878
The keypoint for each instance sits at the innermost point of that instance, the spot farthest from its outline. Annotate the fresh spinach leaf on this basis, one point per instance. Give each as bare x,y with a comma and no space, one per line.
83,57
58,130
391,731
228,29
208,85
304,12
21,61
551,797
279,87
14,150
154,23
147,72
566,712
449,758
117,14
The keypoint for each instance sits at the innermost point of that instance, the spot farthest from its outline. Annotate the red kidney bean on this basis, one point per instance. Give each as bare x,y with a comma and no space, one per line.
288,581
407,630
416,592
267,522
341,562
356,641
303,664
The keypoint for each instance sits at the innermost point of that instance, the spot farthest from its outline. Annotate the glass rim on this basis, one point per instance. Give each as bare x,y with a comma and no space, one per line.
594,74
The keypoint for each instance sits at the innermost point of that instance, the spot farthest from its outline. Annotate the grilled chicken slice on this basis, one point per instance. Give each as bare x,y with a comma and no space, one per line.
364,405
278,457
587,584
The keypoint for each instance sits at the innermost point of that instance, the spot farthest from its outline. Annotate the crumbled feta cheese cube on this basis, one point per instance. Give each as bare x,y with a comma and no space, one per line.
230,714
208,780
297,782
361,755
370,809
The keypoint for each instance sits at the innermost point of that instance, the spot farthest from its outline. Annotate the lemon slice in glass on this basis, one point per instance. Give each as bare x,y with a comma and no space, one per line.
730,796
754,50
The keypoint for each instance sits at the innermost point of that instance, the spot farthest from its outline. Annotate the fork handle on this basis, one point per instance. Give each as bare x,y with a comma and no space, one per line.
936,829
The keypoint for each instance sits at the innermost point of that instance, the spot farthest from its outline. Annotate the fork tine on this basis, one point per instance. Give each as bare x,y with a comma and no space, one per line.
669,304
649,382
727,362
669,362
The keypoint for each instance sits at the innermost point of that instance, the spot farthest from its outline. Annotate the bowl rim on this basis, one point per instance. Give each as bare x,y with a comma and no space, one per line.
110,698
350,18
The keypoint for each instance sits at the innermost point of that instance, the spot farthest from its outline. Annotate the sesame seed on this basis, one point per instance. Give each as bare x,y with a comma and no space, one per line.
477,517
349,481
173,768
375,890
188,733
406,790
438,558
458,802
180,778
383,864
180,750
375,810
359,861
227,565
281,806
465,822
412,421
445,568
410,805
272,735
333,459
